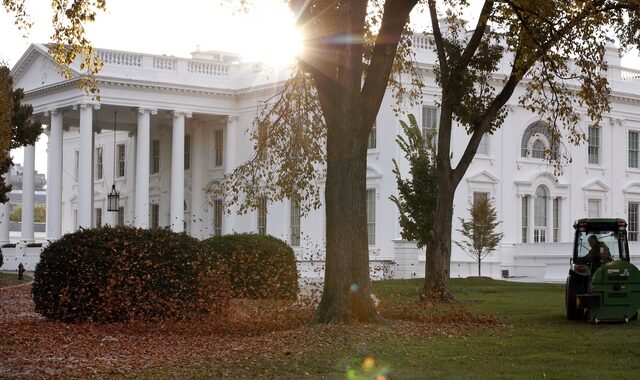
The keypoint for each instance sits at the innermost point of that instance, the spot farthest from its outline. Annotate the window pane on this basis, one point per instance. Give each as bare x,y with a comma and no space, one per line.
155,156
121,160
218,145
633,149
556,220
525,218
593,208
371,216
538,149
477,196
121,216
217,217
98,217
632,228
430,125
295,224
262,216
155,215
594,145
187,152
483,147
371,142
99,163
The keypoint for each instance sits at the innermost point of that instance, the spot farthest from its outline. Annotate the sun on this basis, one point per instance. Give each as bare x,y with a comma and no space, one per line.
268,34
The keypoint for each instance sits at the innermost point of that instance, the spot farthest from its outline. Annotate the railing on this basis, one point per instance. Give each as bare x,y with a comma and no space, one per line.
119,58
208,68
629,75
164,63
422,41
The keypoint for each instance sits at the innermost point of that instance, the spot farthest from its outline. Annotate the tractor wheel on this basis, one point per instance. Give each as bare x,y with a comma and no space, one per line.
575,285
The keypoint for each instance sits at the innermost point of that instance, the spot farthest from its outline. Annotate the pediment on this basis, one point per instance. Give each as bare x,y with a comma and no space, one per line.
36,69
373,172
596,185
483,177
632,188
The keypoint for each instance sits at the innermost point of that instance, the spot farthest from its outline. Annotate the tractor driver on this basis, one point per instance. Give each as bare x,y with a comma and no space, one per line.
598,254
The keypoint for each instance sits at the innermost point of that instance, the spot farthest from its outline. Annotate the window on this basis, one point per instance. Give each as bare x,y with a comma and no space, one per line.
525,218
120,216
295,224
155,215
371,216
77,165
262,216
218,146
478,196
594,145
121,160
593,208
371,142
540,215
632,228
155,156
556,219
99,163
187,152
633,149
538,147
537,142
98,217
430,125
75,219
217,217
483,147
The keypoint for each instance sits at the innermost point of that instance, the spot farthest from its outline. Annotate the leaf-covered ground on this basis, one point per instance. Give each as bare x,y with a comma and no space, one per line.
253,339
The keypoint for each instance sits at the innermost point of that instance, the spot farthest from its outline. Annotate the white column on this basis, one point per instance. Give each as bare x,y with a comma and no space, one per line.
141,203
230,150
85,166
54,177
176,208
5,210
200,220
28,178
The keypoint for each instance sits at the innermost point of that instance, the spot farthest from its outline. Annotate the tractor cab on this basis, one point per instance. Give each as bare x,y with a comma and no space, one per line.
602,284
597,242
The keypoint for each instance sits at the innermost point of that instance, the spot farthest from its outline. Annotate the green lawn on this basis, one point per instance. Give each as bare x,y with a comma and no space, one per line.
536,341
11,278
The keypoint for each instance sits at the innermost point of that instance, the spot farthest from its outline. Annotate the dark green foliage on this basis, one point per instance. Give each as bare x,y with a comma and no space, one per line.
417,194
259,266
1,260
122,273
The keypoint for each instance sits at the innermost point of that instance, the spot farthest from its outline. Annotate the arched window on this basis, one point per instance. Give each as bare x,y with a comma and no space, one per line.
540,214
536,142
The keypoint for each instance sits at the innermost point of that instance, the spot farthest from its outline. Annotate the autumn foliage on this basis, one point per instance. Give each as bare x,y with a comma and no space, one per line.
259,266
123,274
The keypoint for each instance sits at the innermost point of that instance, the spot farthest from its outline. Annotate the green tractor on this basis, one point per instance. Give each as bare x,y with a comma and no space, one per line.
603,285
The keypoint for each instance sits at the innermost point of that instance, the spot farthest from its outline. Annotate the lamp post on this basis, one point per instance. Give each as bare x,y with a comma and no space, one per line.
113,198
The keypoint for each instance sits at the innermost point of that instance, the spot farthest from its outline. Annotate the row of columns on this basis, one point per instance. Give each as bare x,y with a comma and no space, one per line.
142,172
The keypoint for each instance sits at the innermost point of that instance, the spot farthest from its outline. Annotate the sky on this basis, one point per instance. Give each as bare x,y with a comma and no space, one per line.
152,26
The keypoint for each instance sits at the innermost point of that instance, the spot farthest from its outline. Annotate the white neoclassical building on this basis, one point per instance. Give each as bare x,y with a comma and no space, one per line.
165,126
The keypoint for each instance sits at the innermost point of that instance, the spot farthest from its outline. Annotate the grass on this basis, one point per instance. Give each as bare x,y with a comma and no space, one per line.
535,341
9,279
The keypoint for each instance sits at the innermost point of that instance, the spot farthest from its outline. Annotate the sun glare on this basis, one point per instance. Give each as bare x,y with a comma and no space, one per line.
269,34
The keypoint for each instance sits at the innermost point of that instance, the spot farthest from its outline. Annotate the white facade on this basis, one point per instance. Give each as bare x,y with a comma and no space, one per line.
183,122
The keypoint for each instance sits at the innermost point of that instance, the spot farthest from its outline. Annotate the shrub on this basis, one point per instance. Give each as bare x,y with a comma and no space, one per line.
259,266
122,273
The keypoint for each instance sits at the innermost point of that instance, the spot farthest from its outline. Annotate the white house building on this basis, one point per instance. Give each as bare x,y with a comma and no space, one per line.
165,126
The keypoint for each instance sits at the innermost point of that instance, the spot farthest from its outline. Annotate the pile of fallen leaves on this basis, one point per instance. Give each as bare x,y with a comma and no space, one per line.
253,337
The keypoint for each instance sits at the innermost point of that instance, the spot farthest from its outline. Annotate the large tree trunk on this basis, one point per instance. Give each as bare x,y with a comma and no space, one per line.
438,263
346,295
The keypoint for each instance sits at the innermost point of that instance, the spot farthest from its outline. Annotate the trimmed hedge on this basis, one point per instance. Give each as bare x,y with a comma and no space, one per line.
260,267
121,273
